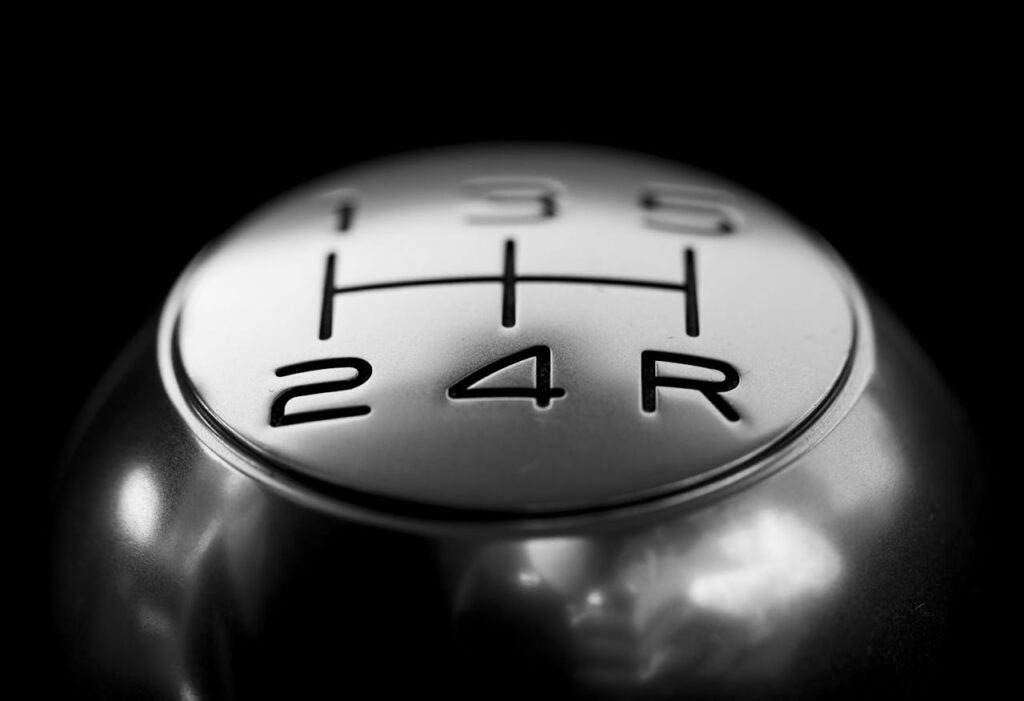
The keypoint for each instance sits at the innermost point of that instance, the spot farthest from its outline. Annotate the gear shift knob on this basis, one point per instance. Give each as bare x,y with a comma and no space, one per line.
503,420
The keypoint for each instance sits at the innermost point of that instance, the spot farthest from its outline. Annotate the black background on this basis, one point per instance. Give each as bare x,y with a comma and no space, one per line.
893,165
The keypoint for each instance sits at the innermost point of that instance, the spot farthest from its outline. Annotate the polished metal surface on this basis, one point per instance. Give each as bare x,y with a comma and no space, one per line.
713,466
450,262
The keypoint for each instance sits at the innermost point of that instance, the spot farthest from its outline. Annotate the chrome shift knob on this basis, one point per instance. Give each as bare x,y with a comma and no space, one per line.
503,420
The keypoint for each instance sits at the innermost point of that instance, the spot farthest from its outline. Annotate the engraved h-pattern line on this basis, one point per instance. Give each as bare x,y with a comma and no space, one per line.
509,279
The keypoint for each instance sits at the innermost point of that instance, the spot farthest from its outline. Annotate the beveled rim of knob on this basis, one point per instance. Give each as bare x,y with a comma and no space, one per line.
284,477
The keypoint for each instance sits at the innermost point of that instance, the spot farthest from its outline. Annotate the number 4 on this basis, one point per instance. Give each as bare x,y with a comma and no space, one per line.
543,393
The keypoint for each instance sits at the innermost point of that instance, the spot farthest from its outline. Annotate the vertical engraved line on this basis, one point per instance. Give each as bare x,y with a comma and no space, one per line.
327,309
508,296
690,285
346,214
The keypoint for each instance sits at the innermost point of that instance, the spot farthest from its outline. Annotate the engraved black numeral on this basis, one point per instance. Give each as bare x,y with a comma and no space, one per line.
278,417
712,389
542,393
688,210
514,200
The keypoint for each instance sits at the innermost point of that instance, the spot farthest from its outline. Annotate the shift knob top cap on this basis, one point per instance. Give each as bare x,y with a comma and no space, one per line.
514,330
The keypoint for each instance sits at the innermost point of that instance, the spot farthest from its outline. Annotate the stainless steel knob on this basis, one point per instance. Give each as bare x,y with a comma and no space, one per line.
496,421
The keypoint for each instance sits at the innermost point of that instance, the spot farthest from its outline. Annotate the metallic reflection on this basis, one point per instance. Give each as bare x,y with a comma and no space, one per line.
138,507
866,482
187,694
178,577
756,567
696,599
561,562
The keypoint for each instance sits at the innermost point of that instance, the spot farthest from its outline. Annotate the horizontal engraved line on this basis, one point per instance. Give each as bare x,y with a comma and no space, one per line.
570,279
